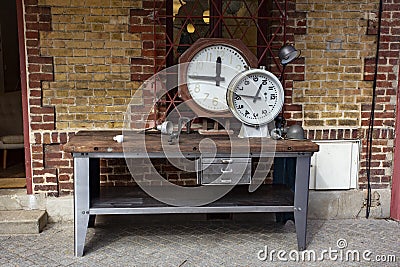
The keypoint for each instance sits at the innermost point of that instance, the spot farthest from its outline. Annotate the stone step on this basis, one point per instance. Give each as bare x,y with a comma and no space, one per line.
18,199
22,221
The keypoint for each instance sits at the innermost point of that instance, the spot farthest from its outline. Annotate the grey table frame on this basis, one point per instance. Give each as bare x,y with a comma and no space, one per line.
87,170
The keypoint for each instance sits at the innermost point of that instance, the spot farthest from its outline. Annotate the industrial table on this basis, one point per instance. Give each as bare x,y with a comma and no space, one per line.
88,147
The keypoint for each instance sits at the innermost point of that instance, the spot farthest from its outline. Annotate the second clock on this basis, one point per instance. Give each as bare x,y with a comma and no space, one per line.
207,68
255,98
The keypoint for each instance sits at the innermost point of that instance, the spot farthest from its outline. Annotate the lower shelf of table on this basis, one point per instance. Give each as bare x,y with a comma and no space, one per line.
133,200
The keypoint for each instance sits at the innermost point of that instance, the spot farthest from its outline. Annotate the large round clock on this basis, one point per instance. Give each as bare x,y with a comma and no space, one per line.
255,97
206,70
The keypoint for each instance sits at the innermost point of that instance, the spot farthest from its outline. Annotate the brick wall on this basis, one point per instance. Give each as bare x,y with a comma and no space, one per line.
86,59
91,47
79,62
339,50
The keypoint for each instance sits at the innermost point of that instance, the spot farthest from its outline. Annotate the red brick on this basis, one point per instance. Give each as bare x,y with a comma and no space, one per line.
47,188
142,61
42,110
66,186
48,118
44,17
65,170
51,179
41,60
36,118
35,102
32,43
41,77
43,126
140,29
139,12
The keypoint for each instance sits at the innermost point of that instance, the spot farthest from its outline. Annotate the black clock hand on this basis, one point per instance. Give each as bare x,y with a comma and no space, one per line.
251,96
206,78
258,92
217,77
218,71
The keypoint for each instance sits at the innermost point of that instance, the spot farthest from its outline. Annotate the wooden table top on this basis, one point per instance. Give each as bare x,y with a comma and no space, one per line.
102,142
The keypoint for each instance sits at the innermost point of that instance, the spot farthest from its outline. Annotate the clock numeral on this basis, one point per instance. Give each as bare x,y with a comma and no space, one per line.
255,115
246,82
264,112
265,82
273,96
255,78
207,95
246,113
240,88
239,67
239,106
197,88
221,53
237,97
271,88
215,101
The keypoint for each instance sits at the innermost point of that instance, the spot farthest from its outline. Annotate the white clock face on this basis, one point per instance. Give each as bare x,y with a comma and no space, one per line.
255,97
209,74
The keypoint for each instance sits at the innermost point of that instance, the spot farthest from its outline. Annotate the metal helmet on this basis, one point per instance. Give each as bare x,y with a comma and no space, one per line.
295,132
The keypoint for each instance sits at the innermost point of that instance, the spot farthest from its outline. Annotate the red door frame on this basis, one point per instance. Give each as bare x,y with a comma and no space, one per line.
24,91
395,201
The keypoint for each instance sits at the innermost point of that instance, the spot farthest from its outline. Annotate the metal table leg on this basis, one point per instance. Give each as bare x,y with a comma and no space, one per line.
81,202
301,199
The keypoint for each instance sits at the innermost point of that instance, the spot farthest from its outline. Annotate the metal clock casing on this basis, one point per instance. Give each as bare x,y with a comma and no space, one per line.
211,63
255,97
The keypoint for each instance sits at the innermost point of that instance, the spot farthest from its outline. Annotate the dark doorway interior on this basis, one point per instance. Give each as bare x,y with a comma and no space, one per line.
12,169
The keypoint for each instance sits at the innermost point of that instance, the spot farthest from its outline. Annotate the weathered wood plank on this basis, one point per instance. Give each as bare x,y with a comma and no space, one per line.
102,141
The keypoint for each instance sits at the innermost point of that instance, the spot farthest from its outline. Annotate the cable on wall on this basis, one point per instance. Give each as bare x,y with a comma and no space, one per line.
372,115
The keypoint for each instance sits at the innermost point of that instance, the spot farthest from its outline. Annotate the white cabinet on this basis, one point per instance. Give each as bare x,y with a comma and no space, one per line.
336,165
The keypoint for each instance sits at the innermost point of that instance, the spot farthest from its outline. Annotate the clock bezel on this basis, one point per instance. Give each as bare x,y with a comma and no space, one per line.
235,81
192,51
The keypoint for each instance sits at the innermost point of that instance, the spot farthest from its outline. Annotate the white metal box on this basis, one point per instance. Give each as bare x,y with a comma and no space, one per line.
335,165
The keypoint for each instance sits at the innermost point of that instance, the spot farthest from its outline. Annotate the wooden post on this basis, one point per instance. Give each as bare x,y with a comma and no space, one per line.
24,90
395,201
4,158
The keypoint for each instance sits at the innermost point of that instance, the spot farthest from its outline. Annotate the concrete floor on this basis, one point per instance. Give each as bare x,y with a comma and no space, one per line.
118,241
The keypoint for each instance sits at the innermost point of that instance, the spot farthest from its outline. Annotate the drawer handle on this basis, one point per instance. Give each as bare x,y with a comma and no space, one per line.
226,171
226,181
226,160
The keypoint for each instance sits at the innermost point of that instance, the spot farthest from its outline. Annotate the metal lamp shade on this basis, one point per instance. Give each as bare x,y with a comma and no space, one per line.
287,54
295,132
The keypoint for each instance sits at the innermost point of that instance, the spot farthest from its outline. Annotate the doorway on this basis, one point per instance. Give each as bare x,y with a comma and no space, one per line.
12,167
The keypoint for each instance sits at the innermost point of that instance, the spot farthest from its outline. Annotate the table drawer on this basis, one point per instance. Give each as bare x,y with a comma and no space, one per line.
224,171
